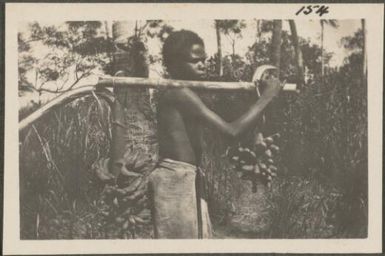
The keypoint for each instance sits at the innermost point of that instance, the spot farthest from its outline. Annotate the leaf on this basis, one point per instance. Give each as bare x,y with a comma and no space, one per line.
125,172
129,159
101,170
141,162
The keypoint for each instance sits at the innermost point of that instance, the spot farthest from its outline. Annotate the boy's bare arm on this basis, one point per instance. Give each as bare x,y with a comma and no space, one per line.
189,102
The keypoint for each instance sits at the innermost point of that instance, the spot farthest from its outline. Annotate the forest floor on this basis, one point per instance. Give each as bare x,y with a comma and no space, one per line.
247,220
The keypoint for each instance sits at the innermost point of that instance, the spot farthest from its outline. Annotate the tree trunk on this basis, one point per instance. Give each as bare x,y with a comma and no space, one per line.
276,43
364,64
322,49
259,31
133,120
108,37
233,49
107,29
296,149
219,49
272,111
298,54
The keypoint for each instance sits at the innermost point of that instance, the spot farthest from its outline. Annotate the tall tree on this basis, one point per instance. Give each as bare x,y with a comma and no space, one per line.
133,124
219,65
298,53
364,66
333,24
232,29
276,43
259,30
270,125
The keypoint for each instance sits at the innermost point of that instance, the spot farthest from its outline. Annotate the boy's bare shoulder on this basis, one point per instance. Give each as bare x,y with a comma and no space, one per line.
178,95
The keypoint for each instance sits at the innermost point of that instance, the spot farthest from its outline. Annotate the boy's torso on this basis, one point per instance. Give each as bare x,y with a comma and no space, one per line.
179,134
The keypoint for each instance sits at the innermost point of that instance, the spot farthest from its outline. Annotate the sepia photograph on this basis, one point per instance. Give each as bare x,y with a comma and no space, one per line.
214,128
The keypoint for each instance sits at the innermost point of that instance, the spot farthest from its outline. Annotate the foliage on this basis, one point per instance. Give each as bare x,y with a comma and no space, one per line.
331,23
157,28
354,43
232,29
74,52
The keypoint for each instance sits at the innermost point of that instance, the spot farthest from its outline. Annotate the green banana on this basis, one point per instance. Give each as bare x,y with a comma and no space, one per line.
133,186
269,140
274,148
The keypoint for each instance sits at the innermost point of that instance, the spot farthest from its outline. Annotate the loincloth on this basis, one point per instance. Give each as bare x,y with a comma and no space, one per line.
179,209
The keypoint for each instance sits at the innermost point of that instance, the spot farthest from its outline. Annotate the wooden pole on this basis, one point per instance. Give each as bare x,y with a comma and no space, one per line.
121,82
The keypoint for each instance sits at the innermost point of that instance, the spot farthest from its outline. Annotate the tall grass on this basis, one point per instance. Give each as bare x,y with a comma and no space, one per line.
59,195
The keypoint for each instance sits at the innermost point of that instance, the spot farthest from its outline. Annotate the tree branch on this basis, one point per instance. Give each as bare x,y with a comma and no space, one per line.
63,99
59,90
34,40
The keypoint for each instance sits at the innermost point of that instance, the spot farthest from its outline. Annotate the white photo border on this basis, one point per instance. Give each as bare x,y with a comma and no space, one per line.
21,12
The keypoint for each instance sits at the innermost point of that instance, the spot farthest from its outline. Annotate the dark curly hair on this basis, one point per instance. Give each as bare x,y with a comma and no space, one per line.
176,46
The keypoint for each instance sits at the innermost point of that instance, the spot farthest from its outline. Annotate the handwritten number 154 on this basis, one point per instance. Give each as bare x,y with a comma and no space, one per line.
317,9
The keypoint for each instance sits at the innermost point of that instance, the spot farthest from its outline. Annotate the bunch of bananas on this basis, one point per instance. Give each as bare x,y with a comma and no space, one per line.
126,193
257,163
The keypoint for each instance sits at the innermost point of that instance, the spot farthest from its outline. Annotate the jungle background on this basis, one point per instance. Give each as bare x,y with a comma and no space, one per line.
321,188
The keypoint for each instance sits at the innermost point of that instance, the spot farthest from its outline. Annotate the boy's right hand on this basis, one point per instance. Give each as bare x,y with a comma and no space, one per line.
272,88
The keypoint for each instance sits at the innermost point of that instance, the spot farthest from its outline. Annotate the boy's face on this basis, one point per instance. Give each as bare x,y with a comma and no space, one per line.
192,66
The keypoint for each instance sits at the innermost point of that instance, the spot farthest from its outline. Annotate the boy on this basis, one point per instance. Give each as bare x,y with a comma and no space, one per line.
179,211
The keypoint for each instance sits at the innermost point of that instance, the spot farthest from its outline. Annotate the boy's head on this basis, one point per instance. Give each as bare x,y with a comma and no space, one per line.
184,55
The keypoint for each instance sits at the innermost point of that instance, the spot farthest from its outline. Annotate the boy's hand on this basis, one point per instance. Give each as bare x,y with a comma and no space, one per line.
272,88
